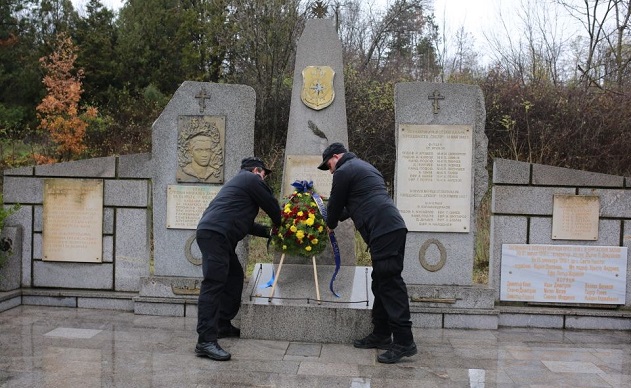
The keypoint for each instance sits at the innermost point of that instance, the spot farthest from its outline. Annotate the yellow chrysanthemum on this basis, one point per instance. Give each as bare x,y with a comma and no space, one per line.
293,228
284,247
314,241
320,228
300,234
287,210
309,221
300,213
308,248
313,204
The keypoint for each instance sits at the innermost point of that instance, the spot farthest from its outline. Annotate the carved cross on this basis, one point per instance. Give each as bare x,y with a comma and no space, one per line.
202,96
435,96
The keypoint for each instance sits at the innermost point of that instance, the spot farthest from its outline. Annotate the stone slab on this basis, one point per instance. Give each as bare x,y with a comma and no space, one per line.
470,321
24,171
161,309
294,313
22,190
10,302
559,176
11,270
532,320
73,275
135,166
613,203
106,304
427,320
57,301
457,250
504,230
96,167
132,248
597,323
513,172
126,193
532,200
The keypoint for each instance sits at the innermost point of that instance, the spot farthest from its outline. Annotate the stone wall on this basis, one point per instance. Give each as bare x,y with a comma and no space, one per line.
126,235
522,205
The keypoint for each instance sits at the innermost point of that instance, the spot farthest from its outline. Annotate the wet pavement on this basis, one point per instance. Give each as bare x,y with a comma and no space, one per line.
67,347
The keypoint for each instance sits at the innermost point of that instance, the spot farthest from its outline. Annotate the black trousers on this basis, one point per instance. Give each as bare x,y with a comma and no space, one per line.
220,292
391,307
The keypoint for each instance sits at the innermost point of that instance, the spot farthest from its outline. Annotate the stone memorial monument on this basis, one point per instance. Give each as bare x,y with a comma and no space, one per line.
317,118
198,143
440,179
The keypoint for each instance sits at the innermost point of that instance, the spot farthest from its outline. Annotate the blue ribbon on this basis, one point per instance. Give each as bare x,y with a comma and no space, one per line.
303,186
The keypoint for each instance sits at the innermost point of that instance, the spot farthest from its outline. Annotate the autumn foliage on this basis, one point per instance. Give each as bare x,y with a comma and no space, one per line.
59,112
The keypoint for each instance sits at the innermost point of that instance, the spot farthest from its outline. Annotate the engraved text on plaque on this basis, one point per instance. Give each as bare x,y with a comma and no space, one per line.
73,220
433,189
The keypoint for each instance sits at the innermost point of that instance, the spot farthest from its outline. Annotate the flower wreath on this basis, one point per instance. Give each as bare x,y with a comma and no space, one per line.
302,231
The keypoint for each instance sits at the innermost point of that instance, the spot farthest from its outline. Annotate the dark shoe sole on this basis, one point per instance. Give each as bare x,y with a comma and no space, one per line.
200,353
408,353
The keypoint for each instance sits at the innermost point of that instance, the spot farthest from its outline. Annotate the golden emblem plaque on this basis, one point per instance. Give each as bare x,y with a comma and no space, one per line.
317,87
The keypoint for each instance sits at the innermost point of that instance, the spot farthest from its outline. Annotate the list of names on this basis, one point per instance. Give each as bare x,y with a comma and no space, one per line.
563,273
433,189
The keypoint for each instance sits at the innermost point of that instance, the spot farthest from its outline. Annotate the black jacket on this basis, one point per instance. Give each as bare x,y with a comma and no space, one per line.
359,191
233,210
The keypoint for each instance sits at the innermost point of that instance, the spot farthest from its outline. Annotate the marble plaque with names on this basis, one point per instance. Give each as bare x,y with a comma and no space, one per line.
305,168
185,204
73,220
575,217
563,274
434,182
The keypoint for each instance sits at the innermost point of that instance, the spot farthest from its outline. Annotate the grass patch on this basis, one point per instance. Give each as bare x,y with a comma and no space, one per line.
482,241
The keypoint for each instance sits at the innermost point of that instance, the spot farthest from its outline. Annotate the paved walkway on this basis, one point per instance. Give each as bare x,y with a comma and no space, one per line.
65,347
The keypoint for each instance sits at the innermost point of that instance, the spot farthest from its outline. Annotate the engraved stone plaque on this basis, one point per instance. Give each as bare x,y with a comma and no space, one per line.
575,217
305,168
563,273
73,220
185,204
201,149
433,189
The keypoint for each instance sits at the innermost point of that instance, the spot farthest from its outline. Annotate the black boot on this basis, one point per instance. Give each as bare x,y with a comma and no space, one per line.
396,352
211,350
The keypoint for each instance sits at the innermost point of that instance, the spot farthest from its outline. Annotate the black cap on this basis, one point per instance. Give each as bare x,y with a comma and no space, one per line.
332,149
251,162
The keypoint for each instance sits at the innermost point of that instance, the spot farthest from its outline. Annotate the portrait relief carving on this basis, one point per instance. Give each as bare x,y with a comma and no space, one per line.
201,150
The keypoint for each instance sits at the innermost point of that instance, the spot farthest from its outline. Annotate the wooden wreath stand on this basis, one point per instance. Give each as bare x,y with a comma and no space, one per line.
315,277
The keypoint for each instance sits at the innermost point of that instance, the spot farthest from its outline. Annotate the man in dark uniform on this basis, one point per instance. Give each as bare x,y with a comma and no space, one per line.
359,192
227,220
